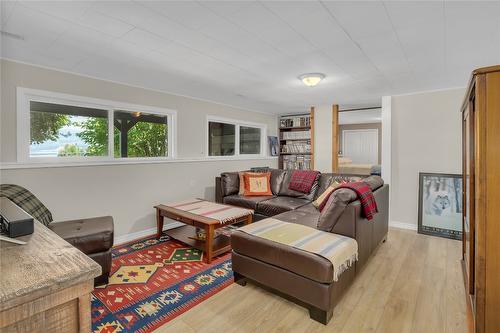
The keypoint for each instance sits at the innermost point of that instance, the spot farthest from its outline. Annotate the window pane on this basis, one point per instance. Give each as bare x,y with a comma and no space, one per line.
139,134
249,140
64,130
221,139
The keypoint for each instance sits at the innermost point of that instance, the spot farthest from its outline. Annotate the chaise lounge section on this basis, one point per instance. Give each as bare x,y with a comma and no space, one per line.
301,276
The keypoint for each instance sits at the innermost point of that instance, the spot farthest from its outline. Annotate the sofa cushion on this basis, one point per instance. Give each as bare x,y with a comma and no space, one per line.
230,183
277,177
375,182
339,178
242,183
245,202
334,208
87,235
309,208
303,263
325,179
285,191
321,200
339,200
279,205
305,216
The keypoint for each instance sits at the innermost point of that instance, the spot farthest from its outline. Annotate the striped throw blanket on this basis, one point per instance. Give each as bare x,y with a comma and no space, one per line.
341,251
220,212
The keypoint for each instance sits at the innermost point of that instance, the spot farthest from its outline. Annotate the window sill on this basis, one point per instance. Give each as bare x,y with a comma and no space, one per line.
37,165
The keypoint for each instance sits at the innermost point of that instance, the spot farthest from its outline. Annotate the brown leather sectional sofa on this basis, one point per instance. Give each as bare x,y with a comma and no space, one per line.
303,277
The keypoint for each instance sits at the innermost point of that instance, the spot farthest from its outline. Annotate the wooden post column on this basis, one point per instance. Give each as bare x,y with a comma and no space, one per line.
335,138
312,137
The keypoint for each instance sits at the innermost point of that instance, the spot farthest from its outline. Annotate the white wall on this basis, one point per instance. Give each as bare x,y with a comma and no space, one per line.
323,138
127,192
191,113
426,137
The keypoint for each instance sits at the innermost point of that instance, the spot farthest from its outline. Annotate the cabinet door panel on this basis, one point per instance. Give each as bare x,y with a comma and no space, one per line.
468,181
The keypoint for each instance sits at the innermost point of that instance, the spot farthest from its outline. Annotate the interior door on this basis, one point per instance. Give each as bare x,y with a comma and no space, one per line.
361,146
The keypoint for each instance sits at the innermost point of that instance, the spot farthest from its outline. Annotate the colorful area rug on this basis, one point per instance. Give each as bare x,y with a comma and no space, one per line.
154,281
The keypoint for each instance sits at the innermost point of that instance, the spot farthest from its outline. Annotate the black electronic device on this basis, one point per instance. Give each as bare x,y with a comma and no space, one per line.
15,222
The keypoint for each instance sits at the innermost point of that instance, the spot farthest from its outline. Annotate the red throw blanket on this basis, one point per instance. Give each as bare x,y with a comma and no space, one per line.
365,195
302,180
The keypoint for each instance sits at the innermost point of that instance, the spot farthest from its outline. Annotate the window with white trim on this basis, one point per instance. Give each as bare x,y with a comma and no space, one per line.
233,138
58,130
55,127
139,134
250,140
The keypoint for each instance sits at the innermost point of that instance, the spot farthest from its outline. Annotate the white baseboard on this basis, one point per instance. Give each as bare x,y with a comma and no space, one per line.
143,233
403,225
170,225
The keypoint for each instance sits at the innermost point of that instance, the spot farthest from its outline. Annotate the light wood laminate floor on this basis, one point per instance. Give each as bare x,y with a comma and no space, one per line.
413,283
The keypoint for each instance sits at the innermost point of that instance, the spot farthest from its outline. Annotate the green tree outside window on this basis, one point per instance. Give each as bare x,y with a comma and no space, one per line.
145,139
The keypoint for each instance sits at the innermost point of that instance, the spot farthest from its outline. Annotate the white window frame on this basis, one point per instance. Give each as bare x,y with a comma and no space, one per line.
237,124
26,95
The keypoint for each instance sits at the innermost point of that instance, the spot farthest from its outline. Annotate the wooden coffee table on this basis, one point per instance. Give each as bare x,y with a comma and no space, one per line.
212,246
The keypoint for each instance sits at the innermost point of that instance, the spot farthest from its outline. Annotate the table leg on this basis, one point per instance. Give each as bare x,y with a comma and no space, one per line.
249,219
209,233
84,313
159,223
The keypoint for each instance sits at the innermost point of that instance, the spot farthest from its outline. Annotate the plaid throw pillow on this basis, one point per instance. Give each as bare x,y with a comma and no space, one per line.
302,180
27,201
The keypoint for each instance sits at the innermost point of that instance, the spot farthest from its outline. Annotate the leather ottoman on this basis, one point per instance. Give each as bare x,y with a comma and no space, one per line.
93,236
300,276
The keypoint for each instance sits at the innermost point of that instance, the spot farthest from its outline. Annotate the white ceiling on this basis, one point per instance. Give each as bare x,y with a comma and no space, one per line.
360,117
249,54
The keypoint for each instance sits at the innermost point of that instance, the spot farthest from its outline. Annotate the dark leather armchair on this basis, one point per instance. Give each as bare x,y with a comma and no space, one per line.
92,236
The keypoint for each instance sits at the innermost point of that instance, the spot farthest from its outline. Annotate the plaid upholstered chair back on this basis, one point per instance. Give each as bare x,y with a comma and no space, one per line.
27,201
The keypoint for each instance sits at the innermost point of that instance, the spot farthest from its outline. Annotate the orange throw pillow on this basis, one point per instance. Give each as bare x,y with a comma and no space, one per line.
242,181
242,184
257,183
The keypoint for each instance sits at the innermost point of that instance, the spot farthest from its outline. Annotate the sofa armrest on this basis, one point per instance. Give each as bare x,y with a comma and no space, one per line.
347,222
219,195
381,220
368,234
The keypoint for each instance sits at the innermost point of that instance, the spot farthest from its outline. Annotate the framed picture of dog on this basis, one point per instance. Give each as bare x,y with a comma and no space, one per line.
440,205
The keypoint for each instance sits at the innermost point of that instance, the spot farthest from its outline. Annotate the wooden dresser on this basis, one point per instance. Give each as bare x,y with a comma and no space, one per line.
481,197
45,285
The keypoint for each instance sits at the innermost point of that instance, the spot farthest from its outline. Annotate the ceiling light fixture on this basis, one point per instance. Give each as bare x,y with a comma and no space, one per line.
311,79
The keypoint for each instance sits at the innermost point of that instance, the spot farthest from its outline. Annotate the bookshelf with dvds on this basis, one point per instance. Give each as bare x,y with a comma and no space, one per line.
296,136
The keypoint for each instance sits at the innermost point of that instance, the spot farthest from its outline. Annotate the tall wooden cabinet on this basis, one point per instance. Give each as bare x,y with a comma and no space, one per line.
481,198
